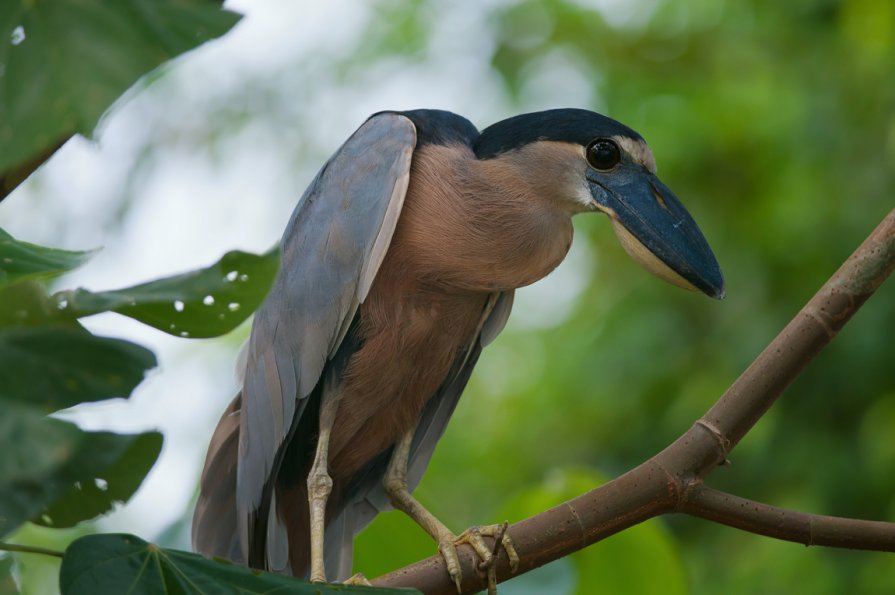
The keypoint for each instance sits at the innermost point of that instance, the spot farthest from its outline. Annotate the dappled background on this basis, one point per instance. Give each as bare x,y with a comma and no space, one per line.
773,122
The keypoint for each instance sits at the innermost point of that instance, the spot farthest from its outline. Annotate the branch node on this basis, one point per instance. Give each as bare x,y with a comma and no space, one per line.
582,531
721,440
821,320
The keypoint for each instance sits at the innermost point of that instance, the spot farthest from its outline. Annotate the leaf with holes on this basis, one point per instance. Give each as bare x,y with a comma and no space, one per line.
34,448
203,303
22,260
116,563
27,304
58,79
55,368
45,460
110,467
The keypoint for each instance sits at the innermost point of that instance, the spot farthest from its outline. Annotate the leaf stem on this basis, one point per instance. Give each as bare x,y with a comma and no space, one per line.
29,549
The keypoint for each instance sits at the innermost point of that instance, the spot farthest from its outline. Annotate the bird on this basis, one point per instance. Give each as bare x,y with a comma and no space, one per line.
398,266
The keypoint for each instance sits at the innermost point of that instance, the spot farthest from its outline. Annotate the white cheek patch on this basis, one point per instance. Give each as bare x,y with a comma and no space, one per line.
582,191
584,197
638,150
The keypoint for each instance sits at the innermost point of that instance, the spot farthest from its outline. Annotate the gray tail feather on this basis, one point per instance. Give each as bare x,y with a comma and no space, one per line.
214,521
215,532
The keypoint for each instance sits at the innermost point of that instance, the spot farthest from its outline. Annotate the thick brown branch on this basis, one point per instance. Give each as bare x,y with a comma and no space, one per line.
791,525
640,494
667,482
810,331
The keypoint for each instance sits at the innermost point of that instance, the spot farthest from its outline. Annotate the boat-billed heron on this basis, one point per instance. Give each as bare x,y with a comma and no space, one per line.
398,266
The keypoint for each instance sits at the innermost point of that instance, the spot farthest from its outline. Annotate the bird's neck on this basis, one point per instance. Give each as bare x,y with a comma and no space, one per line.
479,225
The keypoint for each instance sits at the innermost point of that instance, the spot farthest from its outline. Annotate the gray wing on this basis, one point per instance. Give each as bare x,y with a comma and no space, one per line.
331,251
369,498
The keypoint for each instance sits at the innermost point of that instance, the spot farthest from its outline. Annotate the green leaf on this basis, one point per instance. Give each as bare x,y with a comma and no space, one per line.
21,260
117,563
55,368
34,448
59,78
203,303
110,468
27,304
44,458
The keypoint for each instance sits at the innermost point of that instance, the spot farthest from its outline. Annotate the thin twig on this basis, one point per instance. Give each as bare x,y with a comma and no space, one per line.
789,525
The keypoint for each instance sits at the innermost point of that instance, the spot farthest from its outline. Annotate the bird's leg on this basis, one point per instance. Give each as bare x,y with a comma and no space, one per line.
395,483
320,485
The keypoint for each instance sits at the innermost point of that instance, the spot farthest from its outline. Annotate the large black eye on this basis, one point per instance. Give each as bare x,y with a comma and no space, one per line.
603,154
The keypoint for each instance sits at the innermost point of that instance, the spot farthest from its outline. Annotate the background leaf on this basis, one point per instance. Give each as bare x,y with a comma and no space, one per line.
34,449
127,564
203,303
55,368
44,458
110,469
27,304
46,95
22,260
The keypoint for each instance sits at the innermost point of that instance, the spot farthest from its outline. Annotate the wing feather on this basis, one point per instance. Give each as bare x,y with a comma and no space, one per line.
214,521
331,251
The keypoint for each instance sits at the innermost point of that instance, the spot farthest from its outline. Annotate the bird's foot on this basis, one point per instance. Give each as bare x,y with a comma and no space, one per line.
358,579
474,537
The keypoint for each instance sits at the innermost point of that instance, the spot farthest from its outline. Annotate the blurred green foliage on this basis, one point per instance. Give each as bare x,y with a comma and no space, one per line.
775,124
52,473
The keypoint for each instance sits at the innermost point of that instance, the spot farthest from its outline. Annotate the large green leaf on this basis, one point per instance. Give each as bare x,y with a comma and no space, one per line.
110,468
44,459
58,367
116,563
203,303
66,61
21,260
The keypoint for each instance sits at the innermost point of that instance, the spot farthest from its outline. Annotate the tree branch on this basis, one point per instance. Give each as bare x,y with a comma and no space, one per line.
672,480
790,525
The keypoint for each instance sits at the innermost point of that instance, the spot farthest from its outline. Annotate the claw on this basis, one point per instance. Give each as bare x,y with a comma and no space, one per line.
488,555
448,549
488,563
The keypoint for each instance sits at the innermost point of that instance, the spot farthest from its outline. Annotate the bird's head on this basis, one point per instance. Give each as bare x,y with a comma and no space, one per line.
584,162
